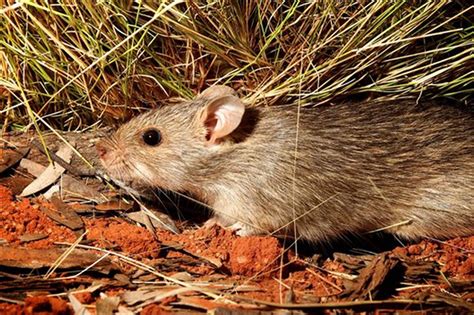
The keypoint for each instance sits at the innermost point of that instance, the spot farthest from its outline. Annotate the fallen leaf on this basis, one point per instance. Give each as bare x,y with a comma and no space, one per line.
50,175
107,304
114,205
77,306
15,183
31,237
53,190
63,214
201,303
72,187
182,276
33,168
69,185
158,220
10,157
81,208
122,310
213,261
152,295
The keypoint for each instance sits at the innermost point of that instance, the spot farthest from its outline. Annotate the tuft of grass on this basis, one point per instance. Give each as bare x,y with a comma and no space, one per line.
69,64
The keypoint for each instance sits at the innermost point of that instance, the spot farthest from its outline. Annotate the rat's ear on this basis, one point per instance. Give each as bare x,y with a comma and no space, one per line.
216,91
221,115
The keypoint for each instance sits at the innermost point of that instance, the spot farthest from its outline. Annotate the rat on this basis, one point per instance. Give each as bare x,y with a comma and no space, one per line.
316,173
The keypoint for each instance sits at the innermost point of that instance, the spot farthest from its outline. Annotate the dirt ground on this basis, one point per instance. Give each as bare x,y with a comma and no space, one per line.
65,253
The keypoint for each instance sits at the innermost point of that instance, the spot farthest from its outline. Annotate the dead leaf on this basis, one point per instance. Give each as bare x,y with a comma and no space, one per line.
182,276
81,208
150,295
122,310
25,238
51,174
106,305
143,294
72,187
77,306
159,220
15,183
63,214
200,303
213,261
69,185
122,278
114,205
33,168
53,190
10,157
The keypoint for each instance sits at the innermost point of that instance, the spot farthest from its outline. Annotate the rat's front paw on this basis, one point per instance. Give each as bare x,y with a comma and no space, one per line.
239,228
216,220
211,222
243,229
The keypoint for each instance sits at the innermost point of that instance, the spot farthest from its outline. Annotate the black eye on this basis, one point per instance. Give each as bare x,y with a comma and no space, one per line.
152,137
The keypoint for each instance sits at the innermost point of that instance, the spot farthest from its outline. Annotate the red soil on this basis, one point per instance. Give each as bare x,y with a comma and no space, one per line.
25,217
119,235
245,256
38,305
258,261
455,255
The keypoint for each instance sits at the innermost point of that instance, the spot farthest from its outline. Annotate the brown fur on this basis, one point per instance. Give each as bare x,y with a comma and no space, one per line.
357,168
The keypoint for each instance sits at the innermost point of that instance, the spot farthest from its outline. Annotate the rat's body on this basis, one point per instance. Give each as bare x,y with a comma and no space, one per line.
349,168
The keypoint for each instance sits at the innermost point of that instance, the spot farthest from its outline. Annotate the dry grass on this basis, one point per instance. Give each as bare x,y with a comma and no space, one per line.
72,64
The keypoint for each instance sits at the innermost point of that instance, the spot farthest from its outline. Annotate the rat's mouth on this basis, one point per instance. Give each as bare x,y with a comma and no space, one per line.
129,173
129,186
118,169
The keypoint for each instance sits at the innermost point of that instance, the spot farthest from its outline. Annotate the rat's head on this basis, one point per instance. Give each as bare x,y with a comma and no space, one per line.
167,147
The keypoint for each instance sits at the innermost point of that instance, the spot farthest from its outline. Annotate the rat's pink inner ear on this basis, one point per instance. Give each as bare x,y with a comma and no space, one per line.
221,116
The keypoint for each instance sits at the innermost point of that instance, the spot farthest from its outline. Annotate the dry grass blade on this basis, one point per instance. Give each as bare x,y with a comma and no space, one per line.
70,64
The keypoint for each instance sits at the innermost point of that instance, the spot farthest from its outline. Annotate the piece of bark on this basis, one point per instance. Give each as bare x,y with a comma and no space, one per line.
372,278
17,257
353,262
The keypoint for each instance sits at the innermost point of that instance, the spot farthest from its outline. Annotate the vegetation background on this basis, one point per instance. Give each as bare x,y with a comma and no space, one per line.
77,65
74,64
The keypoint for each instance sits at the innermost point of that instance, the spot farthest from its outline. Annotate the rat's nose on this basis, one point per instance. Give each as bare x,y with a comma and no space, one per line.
101,149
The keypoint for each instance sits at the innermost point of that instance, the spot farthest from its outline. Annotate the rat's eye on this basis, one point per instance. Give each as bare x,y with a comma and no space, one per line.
152,137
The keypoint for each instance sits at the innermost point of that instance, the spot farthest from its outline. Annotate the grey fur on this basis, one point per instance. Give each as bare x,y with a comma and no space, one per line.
358,167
